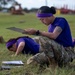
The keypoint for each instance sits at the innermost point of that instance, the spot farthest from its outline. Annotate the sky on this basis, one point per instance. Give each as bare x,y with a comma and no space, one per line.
38,3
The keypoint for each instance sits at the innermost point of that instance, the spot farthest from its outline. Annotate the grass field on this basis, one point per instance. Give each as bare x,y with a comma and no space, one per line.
28,21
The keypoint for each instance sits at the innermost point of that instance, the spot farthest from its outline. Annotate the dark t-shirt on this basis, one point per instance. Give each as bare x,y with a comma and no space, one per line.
31,47
65,37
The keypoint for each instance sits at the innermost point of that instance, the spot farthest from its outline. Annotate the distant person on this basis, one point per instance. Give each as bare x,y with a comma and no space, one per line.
24,45
57,42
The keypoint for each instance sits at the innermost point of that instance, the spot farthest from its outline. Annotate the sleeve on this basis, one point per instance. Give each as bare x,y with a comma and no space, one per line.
61,23
20,40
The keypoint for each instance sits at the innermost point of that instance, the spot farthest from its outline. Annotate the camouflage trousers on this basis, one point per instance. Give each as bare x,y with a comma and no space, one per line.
49,49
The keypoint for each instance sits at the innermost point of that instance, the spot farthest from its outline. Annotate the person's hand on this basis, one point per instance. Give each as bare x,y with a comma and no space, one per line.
30,31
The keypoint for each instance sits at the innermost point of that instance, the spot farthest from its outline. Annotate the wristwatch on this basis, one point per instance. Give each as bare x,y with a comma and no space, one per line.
37,32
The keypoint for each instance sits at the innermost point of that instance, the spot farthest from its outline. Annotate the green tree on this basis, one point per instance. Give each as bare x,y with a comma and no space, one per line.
3,3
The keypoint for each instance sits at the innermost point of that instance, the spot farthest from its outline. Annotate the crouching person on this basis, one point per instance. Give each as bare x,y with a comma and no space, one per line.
57,41
24,45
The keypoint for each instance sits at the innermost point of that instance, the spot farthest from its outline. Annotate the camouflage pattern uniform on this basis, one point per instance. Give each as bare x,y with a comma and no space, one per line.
52,50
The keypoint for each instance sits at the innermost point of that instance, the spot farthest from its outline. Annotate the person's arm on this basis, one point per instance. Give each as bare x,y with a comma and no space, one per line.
20,48
30,31
52,35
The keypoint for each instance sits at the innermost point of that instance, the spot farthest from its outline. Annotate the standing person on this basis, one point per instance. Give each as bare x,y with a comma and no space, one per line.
57,42
25,45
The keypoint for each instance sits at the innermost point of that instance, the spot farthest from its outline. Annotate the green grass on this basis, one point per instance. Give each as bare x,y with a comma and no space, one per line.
29,21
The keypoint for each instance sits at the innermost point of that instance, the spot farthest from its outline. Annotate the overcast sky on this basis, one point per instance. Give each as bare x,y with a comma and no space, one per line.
38,3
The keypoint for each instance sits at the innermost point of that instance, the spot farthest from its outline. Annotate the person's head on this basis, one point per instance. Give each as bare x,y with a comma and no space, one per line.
45,14
11,45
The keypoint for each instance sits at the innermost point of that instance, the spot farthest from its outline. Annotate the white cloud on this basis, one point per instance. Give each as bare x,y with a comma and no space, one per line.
31,3
38,3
